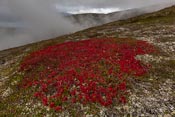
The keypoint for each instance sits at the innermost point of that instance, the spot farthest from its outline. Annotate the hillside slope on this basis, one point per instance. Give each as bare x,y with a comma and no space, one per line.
151,95
93,19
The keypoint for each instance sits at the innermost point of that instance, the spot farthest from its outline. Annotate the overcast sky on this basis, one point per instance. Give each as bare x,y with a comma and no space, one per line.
7,6
110,3
36,20
123,4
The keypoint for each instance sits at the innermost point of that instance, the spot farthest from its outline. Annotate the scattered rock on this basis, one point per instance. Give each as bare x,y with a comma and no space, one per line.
2,62
7,92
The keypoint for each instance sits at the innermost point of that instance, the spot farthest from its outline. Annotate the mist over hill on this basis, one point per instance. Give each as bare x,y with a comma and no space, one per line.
23,21
89,19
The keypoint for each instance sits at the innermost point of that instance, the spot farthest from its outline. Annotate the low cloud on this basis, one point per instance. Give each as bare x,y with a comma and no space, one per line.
27,21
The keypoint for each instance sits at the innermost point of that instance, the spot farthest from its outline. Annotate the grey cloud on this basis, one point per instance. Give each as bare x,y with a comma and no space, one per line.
41,17
111,3
33,20
41,21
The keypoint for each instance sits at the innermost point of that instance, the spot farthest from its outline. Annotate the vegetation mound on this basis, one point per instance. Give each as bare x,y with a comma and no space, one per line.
93,71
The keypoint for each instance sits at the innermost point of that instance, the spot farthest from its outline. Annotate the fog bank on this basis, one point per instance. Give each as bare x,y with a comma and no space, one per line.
27,21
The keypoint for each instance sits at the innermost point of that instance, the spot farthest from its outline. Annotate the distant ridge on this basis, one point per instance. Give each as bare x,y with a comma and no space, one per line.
93,19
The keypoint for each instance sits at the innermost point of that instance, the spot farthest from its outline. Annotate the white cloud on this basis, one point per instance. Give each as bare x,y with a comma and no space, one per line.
82,10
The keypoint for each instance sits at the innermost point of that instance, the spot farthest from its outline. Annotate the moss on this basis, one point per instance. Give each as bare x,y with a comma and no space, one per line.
14,104
157,20
171,64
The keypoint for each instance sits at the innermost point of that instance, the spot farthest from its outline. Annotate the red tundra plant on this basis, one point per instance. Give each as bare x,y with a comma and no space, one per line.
89,71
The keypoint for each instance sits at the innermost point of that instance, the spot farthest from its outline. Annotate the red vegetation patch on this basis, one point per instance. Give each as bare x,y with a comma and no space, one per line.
90,71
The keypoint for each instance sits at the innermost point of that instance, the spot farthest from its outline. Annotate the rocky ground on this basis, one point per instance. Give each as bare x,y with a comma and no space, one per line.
151,95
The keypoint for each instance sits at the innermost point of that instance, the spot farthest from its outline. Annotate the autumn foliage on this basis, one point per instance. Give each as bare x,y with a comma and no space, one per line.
89,71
